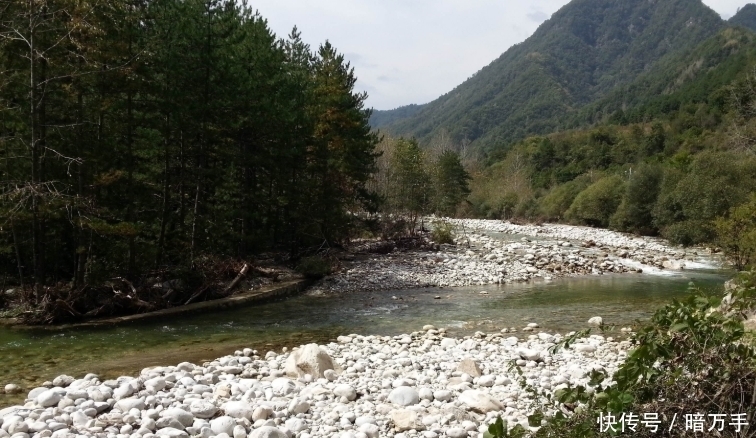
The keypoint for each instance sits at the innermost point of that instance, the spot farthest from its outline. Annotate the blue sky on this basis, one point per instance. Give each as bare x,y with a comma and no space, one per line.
412,51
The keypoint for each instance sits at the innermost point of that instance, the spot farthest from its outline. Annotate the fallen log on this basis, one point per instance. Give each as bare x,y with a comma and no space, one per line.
243,273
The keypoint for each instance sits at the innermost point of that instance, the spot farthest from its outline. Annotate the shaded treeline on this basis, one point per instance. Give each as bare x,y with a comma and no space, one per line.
141,136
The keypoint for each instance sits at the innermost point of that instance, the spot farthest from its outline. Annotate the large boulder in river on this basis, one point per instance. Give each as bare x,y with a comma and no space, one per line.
309,359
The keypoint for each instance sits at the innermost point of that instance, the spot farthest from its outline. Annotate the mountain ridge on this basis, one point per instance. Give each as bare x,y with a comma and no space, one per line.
585,50
746,17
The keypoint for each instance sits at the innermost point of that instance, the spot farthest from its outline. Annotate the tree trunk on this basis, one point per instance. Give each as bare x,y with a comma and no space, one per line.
166,192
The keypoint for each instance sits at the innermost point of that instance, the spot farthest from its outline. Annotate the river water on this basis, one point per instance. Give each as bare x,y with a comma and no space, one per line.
29,358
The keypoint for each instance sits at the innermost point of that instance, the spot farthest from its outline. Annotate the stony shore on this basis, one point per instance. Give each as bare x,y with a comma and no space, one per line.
541,252
421,384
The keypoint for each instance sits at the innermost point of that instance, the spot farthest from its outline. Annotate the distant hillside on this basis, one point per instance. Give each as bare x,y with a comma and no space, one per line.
382,118
745,17
586,50
667,154
689,77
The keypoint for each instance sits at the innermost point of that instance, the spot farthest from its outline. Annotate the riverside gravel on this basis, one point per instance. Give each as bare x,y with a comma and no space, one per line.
543,252
421,384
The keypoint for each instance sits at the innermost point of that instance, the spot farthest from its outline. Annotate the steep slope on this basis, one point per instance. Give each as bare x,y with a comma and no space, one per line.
382,118
586,49
745,17
689,77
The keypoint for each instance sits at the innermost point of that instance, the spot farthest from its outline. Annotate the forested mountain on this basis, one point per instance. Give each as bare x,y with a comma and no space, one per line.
383,118
745,17
585,50
688,77
672,153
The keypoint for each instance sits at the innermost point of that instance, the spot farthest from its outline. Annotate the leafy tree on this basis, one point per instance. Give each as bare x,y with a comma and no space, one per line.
450,183
139,139
736,234
635,212
343,145
555,204
412,194
596,204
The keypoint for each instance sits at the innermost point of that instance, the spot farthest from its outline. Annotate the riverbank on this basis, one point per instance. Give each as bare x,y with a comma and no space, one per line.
418,384
256,296
481,257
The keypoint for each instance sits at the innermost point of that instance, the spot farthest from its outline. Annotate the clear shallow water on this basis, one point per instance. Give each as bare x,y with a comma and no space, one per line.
30,357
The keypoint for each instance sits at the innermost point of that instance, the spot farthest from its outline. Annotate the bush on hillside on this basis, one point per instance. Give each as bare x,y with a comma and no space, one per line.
689,232
715,183
596,204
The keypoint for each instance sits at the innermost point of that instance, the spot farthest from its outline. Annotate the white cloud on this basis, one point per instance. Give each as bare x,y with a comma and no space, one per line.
414,51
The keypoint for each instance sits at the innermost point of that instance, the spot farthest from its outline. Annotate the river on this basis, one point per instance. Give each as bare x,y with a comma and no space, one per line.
29,358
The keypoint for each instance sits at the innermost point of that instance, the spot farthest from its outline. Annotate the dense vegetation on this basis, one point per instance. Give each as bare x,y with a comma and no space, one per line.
679,157
413,182
140,138
586,50
745,17
691,365
383,118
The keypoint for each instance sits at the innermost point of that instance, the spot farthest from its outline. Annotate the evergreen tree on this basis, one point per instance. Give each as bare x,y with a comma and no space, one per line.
451,183
412,183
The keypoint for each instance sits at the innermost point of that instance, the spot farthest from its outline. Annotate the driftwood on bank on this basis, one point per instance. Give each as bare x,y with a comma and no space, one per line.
119,296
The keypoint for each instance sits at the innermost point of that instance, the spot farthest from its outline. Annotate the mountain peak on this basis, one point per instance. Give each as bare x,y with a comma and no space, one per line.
585,50
745,17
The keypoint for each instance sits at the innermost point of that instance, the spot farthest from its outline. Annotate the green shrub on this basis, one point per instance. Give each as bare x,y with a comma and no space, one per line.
689,232
736,234
596,204
689,203
443,233
314,267
692,358
558,200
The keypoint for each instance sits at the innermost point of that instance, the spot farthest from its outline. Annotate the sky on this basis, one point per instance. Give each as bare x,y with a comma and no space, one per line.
413,51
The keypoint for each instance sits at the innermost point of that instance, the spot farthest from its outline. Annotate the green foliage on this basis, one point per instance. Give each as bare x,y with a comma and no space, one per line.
714,183
745,17
596,204
138,137
635,212
450,183
443,232
556,203
736,234
500,429
314,267
411,181
587,50
379,119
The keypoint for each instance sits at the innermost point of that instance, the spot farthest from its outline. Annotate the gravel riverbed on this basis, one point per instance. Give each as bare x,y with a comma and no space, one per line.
543,252
422,384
